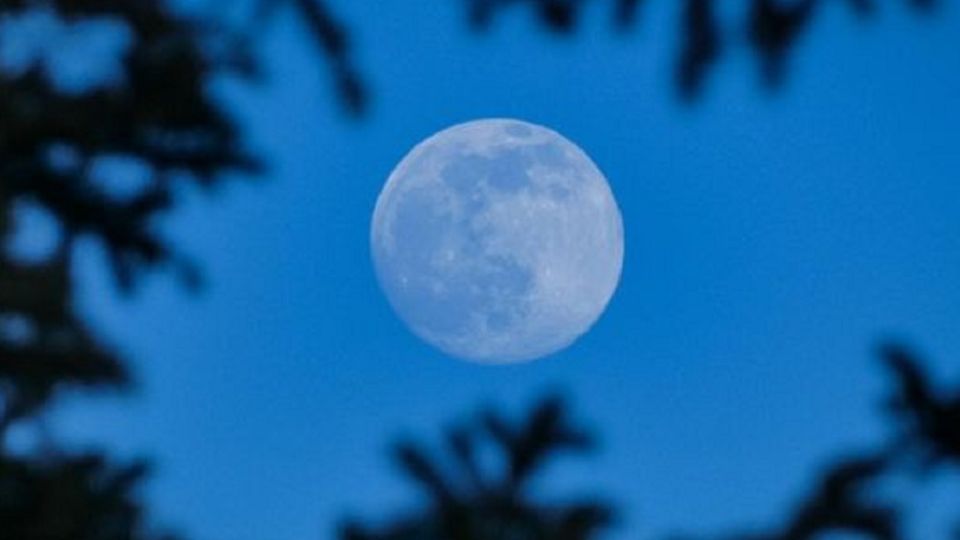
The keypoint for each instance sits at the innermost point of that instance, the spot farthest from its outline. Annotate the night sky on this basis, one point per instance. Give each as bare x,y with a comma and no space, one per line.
771,241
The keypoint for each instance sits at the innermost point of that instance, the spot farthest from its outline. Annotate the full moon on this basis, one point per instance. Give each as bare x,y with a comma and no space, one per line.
497,241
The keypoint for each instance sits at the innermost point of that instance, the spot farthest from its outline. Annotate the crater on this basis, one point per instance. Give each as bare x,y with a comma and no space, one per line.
517,129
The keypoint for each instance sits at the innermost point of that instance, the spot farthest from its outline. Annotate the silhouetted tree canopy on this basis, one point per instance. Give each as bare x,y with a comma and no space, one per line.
846,495
82,497
158,114
929,416
470,502
772,28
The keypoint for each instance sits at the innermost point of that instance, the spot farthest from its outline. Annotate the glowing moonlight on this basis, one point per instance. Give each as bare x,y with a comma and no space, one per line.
497,241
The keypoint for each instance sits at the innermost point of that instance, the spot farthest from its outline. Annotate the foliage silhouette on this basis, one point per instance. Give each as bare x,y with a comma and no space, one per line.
332,40
930,418
840,503
773,29
468,502
51,140
159,115
474,503
847,497
81,497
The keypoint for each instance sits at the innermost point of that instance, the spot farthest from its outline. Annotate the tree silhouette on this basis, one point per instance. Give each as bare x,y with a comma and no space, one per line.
473,503
468,502
841,502
76,497
930,418
159,114
846,498
772,29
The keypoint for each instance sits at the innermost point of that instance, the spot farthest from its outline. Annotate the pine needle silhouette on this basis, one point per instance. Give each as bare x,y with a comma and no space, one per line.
773,30
54,348
840,503
930,417
701,47
80,497
470,502
159,114
847,497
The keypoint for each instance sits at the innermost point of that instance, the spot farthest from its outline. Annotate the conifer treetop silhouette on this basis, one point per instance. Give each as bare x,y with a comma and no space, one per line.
846,497
469,502
929,416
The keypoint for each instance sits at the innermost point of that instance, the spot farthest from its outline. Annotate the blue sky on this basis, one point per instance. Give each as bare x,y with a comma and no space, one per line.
770,241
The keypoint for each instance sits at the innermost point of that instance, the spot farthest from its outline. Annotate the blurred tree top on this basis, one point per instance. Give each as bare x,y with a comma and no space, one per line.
158,113
475,503
159,117
772,28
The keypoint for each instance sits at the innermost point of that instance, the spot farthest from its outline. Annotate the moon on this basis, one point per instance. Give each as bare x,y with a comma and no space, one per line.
497,241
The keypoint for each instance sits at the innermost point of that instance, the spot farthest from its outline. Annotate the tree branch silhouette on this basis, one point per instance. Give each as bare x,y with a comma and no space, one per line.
929,416
468,502
926,424
773,30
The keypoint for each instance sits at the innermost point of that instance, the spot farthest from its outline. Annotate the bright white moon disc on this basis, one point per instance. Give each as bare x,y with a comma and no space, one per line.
497,241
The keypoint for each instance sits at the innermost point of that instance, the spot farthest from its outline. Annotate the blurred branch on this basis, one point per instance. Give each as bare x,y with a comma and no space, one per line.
81,497
847,495
774,28
700,49
331,38
43,345
158,112
929,415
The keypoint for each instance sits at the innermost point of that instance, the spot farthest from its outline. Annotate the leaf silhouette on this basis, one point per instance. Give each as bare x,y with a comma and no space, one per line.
478,504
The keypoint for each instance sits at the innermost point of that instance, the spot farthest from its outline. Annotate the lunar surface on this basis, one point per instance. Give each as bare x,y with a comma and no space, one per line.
497,241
